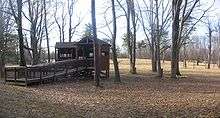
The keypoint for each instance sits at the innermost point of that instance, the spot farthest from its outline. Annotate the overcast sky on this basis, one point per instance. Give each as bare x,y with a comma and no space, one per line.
83,11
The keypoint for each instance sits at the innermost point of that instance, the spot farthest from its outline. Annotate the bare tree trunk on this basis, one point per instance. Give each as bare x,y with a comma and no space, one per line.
70,30
63,16
27,46
163,56
40,45
36,20
2,67
63,32
18,19
218,30
35,52
114,51
2,64
2,57
46,30
219,56
178,26
210,47
153,61
153,38
159,70
129,37
60,32
60,26
177,63
152,42
96,46
34,48
70,21
185,60
70,13
133,15
20,34
219,53
2,42
175,33
129,34
34,43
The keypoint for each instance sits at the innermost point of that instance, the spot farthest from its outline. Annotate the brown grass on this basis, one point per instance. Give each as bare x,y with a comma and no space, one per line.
140,95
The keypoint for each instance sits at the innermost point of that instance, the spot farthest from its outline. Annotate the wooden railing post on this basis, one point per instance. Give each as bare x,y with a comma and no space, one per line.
34,74
15,74
54,73
66,70
41,75
26,76
107,72
6,75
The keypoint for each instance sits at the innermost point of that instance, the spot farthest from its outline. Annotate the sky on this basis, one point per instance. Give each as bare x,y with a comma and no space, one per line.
214,14
83,8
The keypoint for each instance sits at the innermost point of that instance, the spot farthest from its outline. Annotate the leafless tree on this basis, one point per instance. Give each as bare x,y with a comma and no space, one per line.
35,17
114,50
210,31
134,19
149,33
131,16
218,42
4,29
181,12
61,23
96,45
158,41
184,56
72,29
46,29
2,59
155,20
111,37
16,11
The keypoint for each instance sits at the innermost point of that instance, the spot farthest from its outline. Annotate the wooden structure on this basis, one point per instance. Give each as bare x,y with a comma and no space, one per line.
73,60
46,72
84,50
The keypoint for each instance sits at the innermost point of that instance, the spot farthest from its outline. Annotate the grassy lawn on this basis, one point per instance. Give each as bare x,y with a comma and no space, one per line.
140,95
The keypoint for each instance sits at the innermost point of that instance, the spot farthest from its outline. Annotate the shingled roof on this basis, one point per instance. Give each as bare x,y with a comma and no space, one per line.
84,40
89,39
65,44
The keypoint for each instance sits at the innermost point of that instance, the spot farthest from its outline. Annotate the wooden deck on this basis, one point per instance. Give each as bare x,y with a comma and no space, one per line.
42,73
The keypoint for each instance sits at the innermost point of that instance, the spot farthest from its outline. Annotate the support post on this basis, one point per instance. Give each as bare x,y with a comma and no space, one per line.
55,55
15,73
54,73
5,75
41,75
26,76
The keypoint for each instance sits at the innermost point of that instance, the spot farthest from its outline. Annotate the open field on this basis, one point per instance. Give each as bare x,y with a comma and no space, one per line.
140,95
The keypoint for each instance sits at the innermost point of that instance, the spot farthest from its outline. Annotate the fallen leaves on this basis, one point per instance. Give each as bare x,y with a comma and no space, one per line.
138,96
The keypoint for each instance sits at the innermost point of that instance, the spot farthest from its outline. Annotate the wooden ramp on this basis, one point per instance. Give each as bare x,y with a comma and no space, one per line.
42,73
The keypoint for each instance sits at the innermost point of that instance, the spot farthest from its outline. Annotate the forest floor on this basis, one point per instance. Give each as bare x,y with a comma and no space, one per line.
140,95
